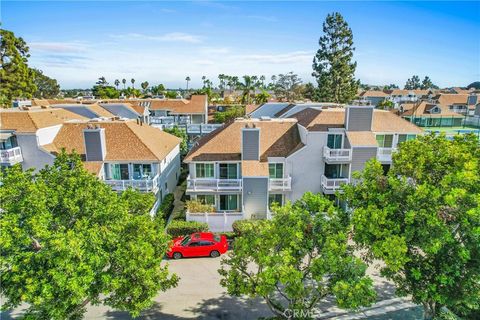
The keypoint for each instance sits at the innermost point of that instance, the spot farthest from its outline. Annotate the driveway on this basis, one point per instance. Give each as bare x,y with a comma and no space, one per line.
200,296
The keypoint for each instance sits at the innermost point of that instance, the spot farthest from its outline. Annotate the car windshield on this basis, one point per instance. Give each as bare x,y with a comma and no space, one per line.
185,241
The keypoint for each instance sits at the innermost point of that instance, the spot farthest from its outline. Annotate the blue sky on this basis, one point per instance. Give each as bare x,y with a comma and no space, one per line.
163,42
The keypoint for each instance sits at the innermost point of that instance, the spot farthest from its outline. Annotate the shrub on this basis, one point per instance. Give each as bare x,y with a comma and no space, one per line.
240,226
178,228
165,209
197,206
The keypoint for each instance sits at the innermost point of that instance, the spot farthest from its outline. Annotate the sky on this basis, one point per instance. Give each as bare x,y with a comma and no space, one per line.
163,42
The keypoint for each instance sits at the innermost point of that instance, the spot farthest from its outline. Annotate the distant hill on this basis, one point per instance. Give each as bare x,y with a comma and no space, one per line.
475,85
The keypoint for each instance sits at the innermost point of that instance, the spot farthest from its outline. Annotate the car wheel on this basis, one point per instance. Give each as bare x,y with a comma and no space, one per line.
214,254
177,255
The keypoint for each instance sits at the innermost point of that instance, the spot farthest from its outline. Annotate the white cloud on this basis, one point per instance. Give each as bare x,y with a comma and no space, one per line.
167,37
214,50
65,47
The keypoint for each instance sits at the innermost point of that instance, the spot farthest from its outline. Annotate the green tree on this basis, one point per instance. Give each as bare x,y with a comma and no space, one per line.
144,86
287,86
158,89
124,81
262,97
230,114
182,134
133,83
187,79
16,78
248,87
385,104
171,94
297,259
102,82
332,65
46,86
117,83
427,84
423,220
68,240
105,92
413,83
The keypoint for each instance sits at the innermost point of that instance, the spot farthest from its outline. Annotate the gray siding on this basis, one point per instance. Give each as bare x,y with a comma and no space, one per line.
255,197
197,118
359,118
250,144
360,156
95,147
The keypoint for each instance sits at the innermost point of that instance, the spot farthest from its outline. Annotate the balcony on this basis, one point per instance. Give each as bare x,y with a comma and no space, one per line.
217,221
330,185
143,185
385,154
337,155
213,185
282,184
11,156
202,128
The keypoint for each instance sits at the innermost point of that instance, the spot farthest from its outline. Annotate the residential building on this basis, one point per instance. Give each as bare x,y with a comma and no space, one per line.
459,103
373,97
426,114
122,153
276,160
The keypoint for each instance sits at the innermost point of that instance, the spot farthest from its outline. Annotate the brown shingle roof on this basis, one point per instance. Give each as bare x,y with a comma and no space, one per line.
101,112
196,104
278,138
125,140
449,99
93,166
361,138
32,120
253,168
423,109
373,93
385,121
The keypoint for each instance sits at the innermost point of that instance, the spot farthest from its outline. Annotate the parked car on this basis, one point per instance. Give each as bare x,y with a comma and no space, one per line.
201,244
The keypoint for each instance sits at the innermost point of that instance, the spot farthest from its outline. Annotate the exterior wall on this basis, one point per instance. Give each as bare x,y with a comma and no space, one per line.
255,197
358,118
198,118
33,155
95,146
169,172
306,166
251,144
360,156
46,135
375,100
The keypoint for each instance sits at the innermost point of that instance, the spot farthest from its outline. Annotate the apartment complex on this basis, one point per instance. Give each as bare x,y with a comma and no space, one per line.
242,168
122,153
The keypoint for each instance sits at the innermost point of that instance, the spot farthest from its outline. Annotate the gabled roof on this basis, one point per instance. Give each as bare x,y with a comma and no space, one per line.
278,138
30,121
449,99
125,140
373,93
423,108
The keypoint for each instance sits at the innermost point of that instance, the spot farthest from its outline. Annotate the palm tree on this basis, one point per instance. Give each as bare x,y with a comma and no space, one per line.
144,86
117,83
188,80
133,83
124,81
203,79
262,78
102,82
247,87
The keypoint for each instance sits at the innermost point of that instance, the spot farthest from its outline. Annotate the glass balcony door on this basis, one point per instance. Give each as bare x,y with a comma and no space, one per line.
334,141
228,171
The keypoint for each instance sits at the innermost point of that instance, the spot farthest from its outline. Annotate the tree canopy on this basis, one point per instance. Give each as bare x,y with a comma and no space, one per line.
182,134
332,65
46,87
297,259
68,240
423,220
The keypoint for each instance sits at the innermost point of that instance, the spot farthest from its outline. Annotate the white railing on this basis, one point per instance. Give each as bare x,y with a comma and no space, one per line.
11,156
332,184
217,221
385,154
169,120
145,185
214,184
280,184
202,128
337,154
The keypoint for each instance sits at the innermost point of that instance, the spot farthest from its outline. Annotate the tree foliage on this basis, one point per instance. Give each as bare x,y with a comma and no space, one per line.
182,134
423,220
228,115
46,87
68,240
385,104
297,259
16,78
332,65
287,87
414,83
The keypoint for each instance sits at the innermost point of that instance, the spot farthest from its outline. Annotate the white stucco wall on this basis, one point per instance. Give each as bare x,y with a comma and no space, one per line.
170,171
46,135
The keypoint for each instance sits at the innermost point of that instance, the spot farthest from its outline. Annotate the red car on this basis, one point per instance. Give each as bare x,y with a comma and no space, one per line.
201,244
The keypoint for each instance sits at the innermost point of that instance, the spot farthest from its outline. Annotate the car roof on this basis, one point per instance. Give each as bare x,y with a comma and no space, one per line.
202,236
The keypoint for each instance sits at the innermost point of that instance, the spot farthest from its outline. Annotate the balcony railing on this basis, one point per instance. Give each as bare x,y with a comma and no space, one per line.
169,120
385,154
214,184
337,154
280,184
330,185
217,221
144,185
11,156
202,128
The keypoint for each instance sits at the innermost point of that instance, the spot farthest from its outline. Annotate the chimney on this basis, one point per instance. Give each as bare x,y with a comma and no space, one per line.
95,145
251,143
358,118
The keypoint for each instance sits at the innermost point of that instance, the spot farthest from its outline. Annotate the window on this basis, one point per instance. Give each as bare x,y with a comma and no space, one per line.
275,198
119,171
9,143
385,140
194,244
334,141
142,171
228,171
228,202
206,199
206,243
405,137
275,170
205,170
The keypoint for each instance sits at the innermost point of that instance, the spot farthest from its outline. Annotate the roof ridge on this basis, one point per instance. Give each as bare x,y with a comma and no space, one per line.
139,138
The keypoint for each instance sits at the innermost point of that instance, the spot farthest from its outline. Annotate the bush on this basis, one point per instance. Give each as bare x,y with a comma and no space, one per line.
230,114
178,228
240,226
197,206
167,205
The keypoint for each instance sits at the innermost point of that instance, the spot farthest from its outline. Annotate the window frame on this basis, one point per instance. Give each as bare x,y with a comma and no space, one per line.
198,169
275,169
227,202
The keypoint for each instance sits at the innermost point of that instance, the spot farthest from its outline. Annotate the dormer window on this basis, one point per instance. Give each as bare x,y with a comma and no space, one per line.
435,110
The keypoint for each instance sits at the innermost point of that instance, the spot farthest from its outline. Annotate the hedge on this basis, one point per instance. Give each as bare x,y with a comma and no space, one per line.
178,228
166,206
